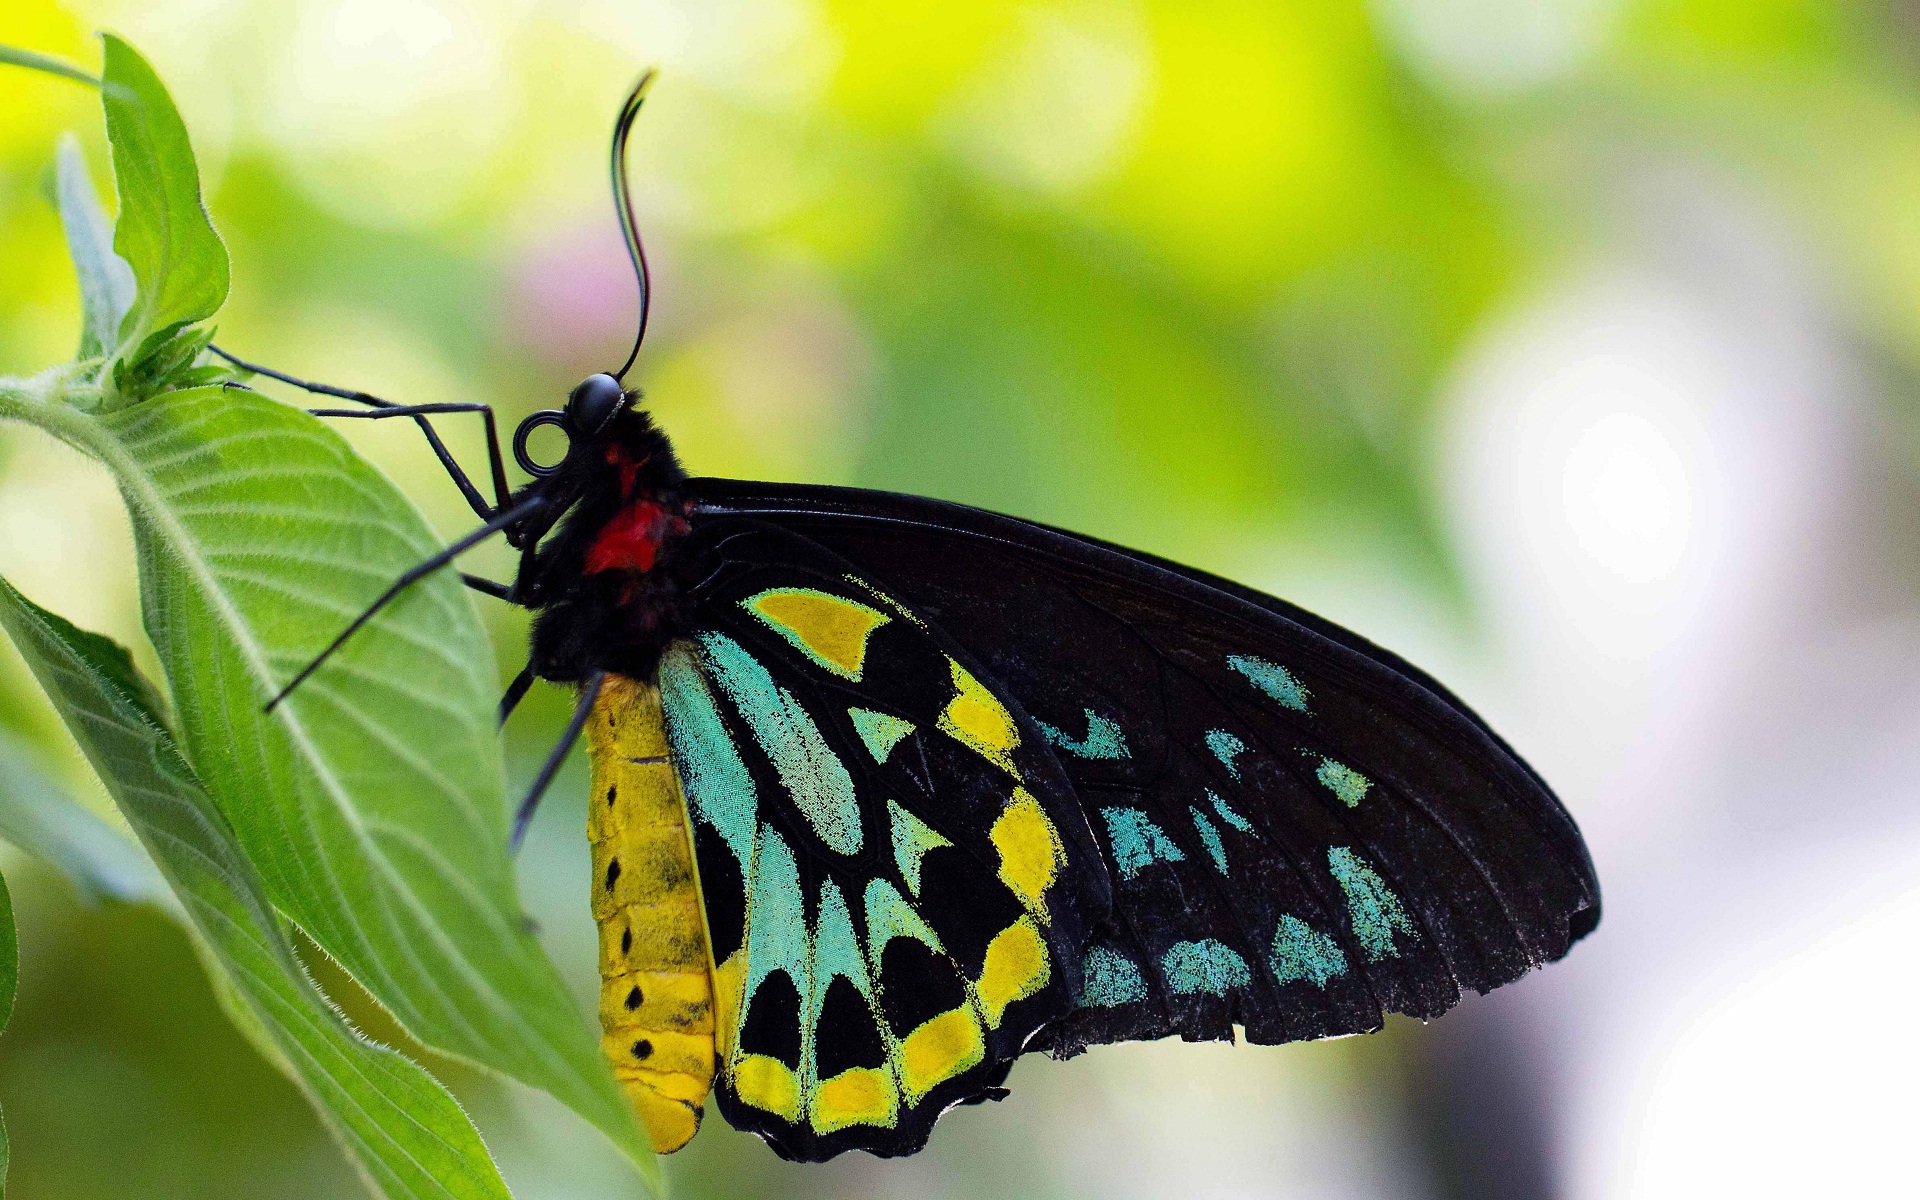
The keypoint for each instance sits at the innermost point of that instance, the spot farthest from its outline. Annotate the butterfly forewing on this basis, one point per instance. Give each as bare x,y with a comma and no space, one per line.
1302,831
897,874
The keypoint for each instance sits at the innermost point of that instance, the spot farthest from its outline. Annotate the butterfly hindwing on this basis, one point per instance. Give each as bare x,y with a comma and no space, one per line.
896,872
1303,832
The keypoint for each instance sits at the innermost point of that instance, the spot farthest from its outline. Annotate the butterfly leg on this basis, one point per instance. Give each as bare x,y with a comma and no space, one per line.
499,591
379,408
589,692
515,692
529,507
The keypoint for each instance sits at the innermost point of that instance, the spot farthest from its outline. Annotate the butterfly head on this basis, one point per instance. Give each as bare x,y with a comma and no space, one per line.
591,414
593,405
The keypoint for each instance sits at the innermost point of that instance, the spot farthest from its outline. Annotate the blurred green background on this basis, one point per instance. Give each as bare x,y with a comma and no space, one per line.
1567,347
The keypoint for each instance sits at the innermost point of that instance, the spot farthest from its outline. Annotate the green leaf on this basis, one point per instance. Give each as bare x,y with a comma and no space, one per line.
164,363
38,816
9,984
163,232
106,282
372,803
399,1126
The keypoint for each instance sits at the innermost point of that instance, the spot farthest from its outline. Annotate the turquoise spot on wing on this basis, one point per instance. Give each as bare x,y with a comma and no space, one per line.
1227,814
1372,907
912,839
716,780
1226,748
1275,680
809,769
1301,952
836,947
1137,842
1210,838
1110,978
880,731
890,916
1343,781
776,934
1205,966
1103,740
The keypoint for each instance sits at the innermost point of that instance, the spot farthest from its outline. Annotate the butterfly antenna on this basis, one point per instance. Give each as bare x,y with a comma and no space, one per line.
623,200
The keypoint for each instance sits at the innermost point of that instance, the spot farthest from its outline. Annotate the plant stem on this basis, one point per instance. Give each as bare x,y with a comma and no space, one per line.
32,399
46,62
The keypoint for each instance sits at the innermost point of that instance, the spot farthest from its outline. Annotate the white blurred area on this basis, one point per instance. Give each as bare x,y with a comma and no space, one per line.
1671,495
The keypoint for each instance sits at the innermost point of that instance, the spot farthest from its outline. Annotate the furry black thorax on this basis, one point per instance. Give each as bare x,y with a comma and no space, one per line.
608,586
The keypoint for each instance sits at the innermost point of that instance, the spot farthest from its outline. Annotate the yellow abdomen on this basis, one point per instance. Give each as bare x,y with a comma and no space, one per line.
656,984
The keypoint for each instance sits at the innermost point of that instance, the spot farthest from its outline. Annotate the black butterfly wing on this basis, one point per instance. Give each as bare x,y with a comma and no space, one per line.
1304,831
896,872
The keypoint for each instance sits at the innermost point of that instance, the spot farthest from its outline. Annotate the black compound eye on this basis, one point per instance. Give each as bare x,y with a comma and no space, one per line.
594,402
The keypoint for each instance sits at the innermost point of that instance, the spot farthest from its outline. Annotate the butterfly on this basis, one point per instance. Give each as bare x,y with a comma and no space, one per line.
887,792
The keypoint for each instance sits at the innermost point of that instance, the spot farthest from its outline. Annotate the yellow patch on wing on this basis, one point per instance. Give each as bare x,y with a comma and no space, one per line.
1031,853
857,1096
939,1049
1017,966
829,629
976,719
769,1084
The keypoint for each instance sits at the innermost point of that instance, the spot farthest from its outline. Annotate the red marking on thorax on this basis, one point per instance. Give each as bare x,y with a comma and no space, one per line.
618,458
630,541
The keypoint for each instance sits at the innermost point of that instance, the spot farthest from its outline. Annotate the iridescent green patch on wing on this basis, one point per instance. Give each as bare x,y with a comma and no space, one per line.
913,839
880,731
1226,813
1343,781
710,768
1375,911
1208,966
1227,748
1210,838
777,938
1110,979
1137,842
809,769
831,630
1301,952
1276,681
890,916
1104,739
